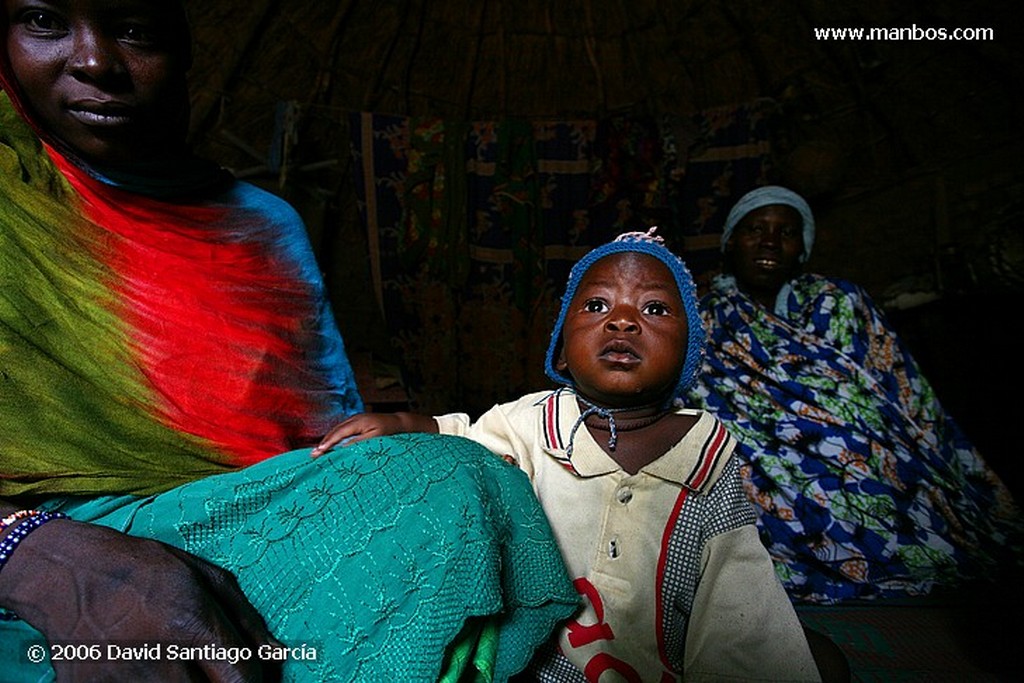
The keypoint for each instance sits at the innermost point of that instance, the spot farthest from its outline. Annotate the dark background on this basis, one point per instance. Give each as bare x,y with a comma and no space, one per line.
908,150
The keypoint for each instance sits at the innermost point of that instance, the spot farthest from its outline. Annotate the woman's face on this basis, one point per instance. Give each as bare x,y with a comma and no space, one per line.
105,76
764,250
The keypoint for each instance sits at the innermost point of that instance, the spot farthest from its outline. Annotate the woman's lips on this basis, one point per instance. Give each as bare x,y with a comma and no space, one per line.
102,115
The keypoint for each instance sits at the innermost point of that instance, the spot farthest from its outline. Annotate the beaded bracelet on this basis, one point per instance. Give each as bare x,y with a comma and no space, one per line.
9,543
15,516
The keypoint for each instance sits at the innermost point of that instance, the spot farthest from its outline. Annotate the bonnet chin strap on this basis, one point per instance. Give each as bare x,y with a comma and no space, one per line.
608,414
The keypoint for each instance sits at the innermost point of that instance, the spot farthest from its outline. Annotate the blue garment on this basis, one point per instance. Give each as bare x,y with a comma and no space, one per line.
864,486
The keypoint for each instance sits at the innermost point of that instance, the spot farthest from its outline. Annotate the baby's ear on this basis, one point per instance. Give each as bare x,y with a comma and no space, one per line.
560,364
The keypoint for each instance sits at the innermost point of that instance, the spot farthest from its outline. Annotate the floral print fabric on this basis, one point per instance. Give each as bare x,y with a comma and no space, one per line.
864,486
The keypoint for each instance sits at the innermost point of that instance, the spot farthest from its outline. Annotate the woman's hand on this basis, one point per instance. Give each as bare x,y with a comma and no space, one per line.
86,584
368,425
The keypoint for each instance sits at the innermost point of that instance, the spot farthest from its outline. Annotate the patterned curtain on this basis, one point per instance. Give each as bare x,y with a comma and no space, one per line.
473,227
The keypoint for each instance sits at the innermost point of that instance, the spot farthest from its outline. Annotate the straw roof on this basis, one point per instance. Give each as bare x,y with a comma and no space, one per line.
887,105
909,146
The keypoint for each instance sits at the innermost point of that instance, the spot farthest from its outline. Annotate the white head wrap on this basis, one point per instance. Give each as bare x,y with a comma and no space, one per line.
766,196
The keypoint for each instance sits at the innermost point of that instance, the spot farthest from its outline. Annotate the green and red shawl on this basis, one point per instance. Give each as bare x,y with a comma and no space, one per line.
153,334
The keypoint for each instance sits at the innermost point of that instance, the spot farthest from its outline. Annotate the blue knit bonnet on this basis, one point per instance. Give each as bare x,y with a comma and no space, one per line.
641,243
767,196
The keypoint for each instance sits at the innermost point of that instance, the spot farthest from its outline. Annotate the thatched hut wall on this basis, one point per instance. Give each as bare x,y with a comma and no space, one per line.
908,149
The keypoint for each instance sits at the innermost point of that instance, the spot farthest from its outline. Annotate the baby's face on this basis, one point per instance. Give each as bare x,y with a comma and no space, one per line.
625,332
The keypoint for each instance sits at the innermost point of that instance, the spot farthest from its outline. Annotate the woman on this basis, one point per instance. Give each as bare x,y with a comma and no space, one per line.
863,485
163,332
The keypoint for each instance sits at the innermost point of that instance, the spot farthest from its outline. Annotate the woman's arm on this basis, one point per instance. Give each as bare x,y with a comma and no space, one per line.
92,585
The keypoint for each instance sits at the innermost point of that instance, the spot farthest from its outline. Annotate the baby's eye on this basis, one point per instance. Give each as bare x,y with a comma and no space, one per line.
595,306
656,308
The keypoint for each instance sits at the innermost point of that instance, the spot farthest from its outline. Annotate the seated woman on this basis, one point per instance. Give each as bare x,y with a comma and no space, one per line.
863,485
164,331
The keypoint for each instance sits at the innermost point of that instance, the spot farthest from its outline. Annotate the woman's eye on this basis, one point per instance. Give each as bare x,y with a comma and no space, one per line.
140,35
43,22
595,306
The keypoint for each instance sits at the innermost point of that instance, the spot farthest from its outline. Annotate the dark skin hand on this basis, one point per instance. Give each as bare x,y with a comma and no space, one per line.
91,585
369,425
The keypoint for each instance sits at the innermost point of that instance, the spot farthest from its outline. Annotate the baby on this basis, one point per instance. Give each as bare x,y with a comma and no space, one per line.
643,495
